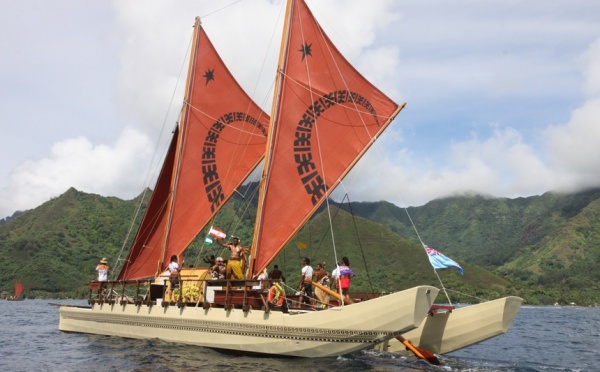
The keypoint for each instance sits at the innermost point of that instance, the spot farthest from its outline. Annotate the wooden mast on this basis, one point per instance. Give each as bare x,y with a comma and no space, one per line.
270,139
183,123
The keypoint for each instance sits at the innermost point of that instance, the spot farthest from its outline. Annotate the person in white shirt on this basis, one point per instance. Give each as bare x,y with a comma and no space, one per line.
305,285
102,270
262,277
335,277
174,270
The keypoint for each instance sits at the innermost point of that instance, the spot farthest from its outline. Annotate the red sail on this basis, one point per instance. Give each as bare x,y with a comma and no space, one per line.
18,289
325,117
220,142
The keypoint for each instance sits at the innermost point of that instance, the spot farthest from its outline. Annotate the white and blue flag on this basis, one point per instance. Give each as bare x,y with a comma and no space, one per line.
439,261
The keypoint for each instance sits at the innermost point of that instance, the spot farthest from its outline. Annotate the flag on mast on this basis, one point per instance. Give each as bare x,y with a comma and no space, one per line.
439,261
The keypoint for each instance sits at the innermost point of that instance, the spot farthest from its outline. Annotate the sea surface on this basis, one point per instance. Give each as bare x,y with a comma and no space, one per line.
540,339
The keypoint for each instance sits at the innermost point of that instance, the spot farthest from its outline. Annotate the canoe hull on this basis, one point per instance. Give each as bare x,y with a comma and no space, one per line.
331,332
446,332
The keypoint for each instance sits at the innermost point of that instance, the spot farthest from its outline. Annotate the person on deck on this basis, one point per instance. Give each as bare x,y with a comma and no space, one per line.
276,274
346,275
305,285
263,280
219,270
237,259
174,269
102,270
335,277
322,278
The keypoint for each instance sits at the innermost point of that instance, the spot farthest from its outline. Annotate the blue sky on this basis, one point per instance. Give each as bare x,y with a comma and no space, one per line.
503,98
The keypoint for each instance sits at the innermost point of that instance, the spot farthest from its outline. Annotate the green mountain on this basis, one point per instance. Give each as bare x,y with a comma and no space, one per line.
544,248
548,245
54,248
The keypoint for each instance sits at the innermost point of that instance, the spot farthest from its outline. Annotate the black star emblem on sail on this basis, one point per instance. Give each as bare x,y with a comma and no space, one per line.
306,50
209,75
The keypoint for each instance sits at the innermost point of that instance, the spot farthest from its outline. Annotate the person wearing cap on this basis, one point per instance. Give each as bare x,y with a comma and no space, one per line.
102,270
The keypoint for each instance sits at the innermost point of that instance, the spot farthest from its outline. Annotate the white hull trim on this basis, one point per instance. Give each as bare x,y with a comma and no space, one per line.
331,332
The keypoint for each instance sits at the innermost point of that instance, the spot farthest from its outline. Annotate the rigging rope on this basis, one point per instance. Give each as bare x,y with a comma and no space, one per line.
153,166
362,252
423,245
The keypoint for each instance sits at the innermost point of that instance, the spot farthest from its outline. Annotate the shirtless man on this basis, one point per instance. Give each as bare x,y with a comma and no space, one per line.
237,259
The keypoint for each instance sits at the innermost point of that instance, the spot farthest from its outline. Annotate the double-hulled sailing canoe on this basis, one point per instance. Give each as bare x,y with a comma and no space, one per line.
325,116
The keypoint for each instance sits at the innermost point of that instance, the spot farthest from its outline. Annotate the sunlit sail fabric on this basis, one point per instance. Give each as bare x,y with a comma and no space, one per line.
18,289
221,139
326,116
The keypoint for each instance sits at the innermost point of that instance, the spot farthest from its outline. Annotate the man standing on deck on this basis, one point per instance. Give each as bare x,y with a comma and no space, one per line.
237,259
305,285
277,274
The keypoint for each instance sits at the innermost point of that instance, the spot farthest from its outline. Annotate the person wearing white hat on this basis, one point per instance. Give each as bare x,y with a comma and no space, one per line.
102,270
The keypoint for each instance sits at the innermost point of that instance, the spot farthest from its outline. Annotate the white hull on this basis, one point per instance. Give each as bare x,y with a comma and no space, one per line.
450,331
331,332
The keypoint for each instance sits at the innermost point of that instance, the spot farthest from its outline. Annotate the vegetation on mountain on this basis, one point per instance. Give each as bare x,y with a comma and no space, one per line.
545,248
54,248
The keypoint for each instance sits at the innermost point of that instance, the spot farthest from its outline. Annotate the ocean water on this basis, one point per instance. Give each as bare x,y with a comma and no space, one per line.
540,339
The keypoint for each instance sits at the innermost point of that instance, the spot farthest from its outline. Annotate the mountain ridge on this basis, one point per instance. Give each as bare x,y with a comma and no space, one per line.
545,248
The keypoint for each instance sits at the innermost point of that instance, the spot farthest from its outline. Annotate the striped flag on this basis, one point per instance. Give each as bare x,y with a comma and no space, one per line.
217,233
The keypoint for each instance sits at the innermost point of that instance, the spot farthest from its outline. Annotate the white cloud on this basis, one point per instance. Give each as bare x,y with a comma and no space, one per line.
501,165
497,102
574,148
76,162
